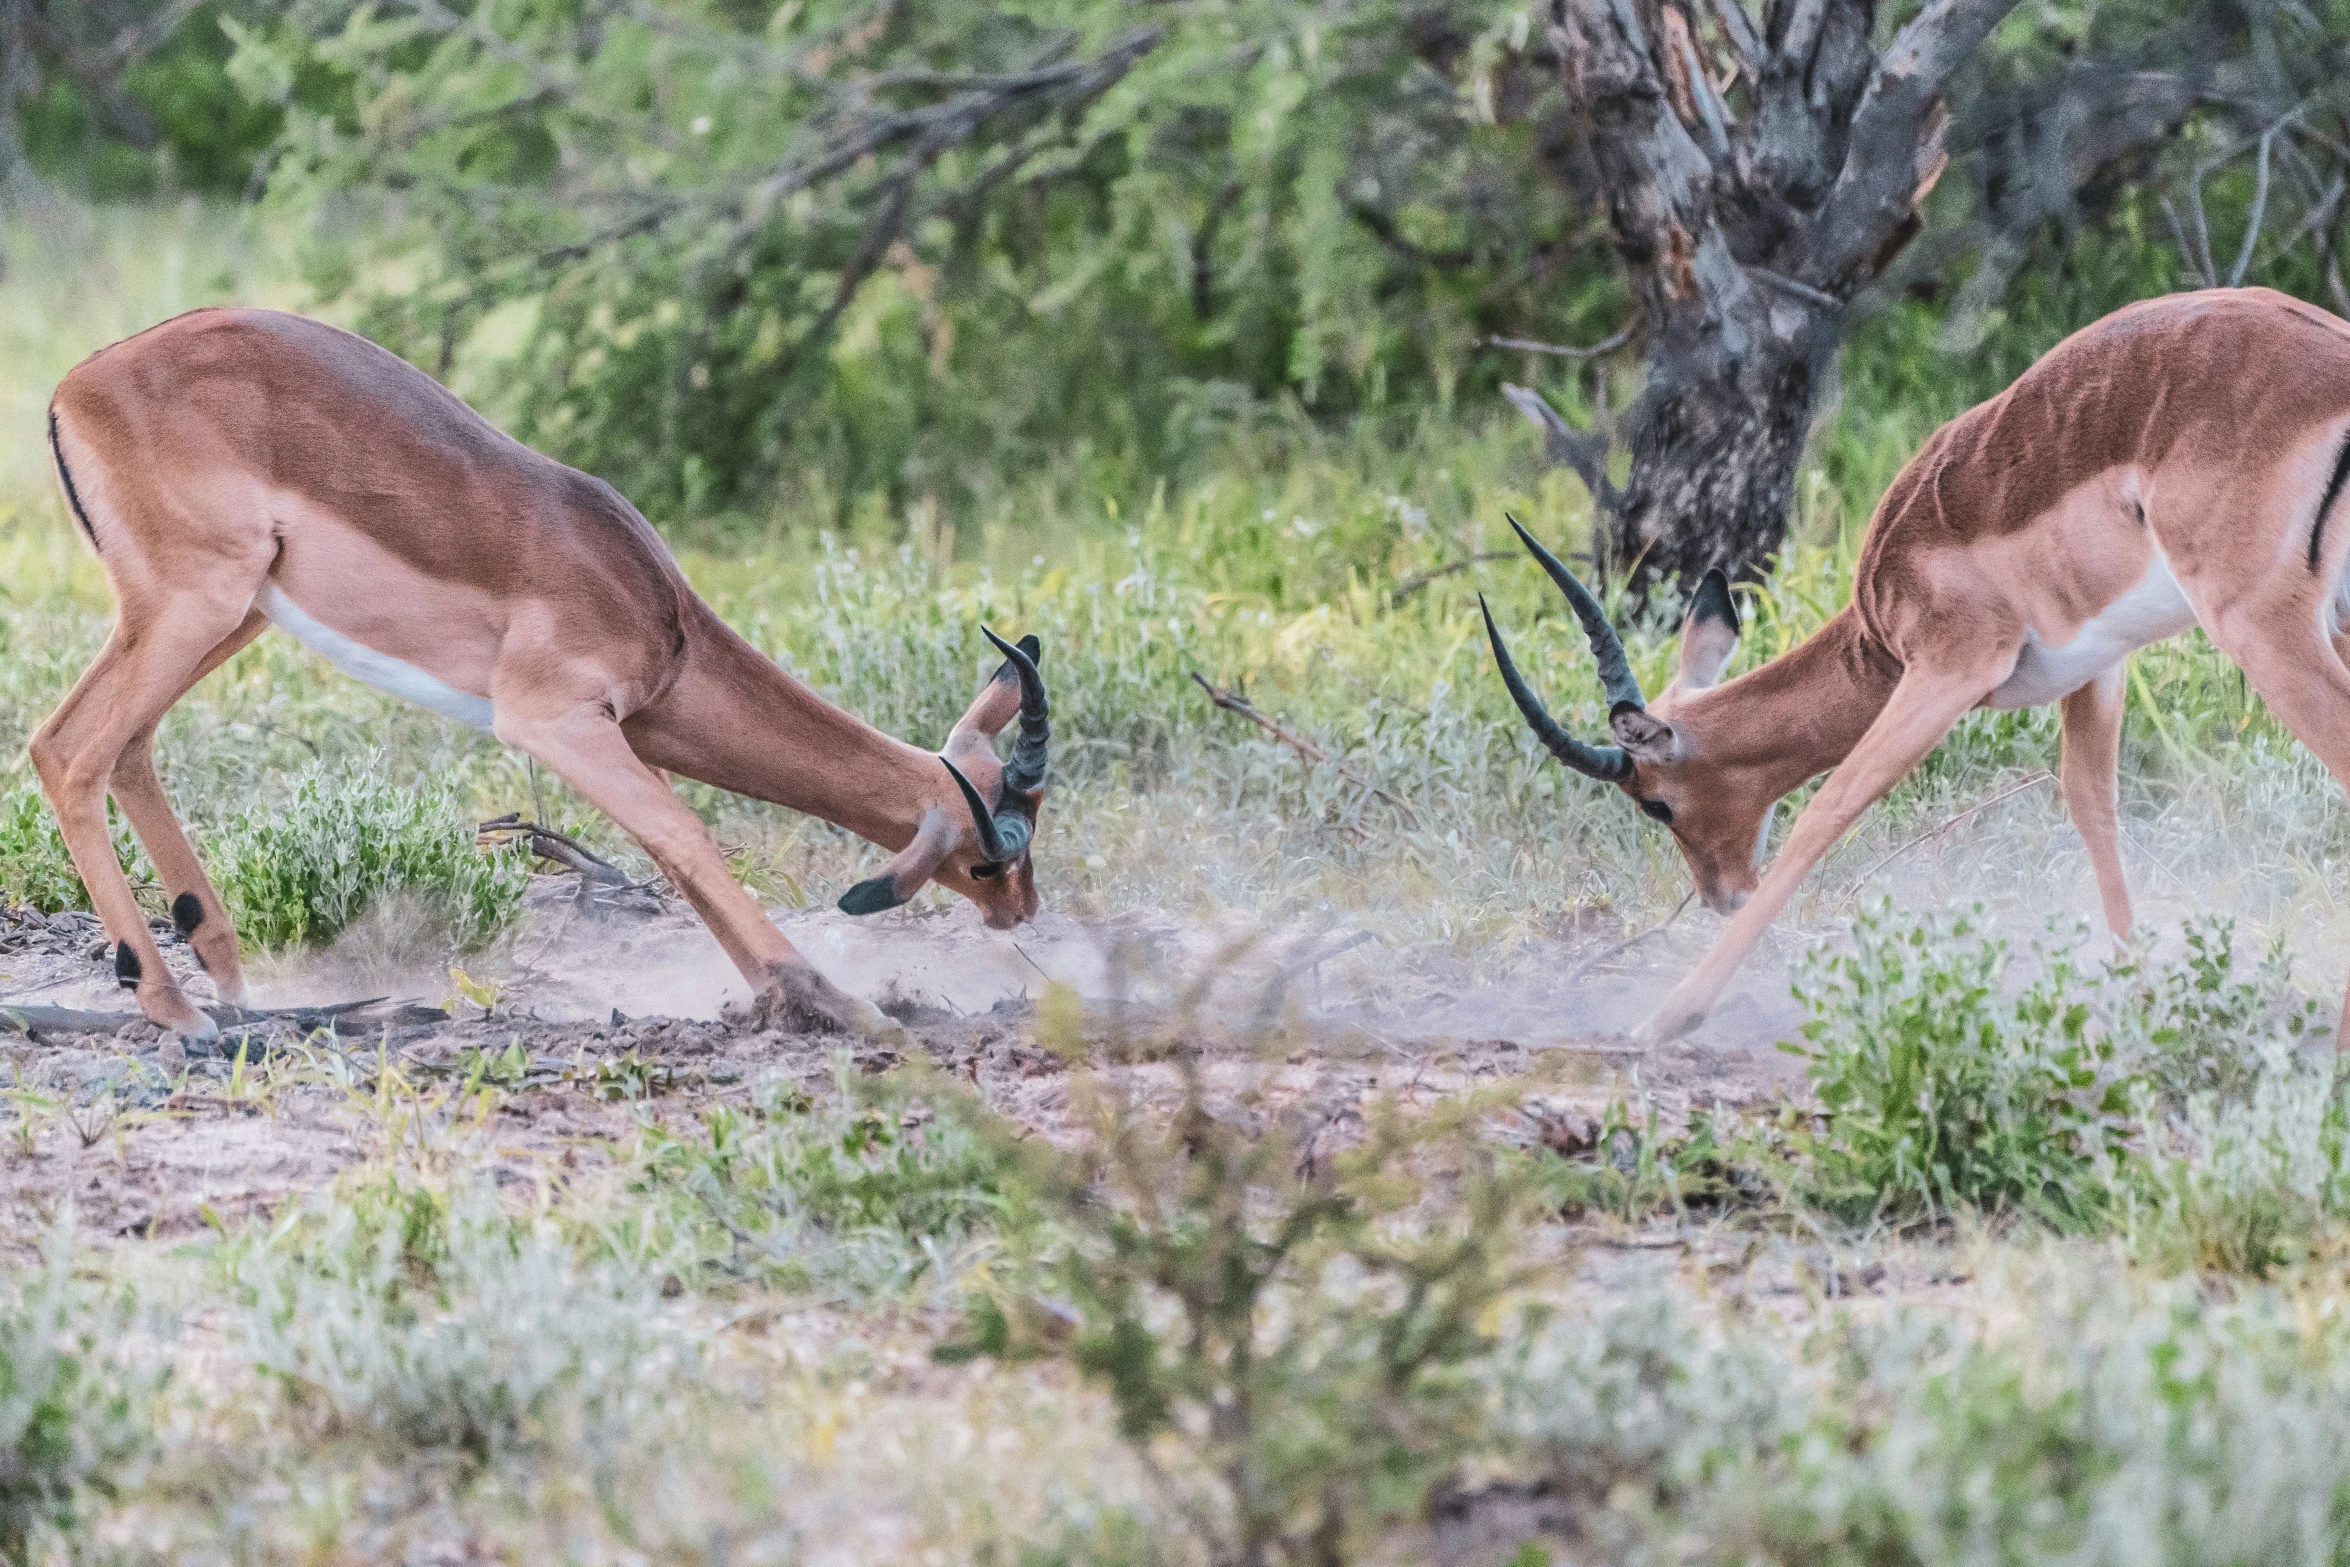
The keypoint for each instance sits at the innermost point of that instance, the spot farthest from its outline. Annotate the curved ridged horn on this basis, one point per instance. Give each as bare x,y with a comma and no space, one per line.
1607,763
1029,753
1001,838
1615,671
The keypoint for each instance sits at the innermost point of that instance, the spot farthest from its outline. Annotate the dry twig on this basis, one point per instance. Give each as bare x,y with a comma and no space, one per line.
1420,579
561,848
1561,351
2038,778
1234,702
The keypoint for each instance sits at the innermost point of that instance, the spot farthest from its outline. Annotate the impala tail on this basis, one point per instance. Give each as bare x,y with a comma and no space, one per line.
73,497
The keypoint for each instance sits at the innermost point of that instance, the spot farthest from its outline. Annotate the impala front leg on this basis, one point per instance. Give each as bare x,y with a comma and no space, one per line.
586,747
1923,707
2090,771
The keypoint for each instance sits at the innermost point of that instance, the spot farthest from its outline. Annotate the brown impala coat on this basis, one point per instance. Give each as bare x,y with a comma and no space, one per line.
2181,462
235,468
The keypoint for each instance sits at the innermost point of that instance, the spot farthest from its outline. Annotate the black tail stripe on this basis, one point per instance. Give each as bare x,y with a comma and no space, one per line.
2333,494
73,497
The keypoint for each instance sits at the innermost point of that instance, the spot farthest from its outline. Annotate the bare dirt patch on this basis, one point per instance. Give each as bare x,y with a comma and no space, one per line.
597,1021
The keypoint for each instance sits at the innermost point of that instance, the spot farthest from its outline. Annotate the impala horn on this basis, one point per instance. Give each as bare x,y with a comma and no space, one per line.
1615,671
1607,763
1029,753
1001,838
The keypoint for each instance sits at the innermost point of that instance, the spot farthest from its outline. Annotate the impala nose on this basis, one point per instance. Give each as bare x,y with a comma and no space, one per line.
1727,901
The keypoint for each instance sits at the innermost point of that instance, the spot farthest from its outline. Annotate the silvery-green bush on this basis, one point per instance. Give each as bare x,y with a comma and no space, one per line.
463,1332
74,1411
2100,1421
301,869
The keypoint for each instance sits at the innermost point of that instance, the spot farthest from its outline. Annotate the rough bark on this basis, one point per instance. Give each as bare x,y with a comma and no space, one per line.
1758,177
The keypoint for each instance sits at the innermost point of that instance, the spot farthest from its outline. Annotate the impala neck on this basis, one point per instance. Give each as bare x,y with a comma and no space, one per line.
1798,715
735,720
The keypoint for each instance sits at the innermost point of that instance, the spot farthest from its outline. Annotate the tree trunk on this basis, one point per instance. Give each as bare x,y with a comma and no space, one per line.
1747,223
1716,438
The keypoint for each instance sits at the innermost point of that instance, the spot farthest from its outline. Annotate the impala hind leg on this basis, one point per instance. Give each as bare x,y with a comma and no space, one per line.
203,920
2305,685
585,746
125,691
2089,771
1923,707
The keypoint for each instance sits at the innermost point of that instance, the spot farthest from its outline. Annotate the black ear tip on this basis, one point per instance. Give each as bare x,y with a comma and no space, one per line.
870,896
1033,648
1714,601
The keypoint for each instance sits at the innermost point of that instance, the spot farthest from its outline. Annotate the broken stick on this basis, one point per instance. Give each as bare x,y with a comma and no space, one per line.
1234,702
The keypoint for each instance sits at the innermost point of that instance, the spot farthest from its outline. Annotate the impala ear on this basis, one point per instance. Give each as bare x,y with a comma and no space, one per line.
1644,736
905,875
1709,636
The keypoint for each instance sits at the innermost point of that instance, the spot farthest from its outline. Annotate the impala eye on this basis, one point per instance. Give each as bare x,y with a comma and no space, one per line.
987,872
1658,810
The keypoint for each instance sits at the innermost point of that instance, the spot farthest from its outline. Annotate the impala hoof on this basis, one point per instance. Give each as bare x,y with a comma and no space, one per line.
193,1028
1664,1025
802,1001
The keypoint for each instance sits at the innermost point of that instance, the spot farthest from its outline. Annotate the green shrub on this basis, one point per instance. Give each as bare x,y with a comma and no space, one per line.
2088,1418
1300,1323
865,1192
35,870
73,1413
348,837
1939,1092
2201,1024
2168,1101
447,1327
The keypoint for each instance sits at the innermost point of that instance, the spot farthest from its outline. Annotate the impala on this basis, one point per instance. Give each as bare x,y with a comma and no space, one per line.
2175,464
239,468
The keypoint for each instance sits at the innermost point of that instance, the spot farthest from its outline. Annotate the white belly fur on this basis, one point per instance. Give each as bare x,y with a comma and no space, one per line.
2149,612
360,662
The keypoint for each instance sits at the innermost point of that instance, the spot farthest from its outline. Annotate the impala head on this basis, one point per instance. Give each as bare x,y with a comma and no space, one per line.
975,838
1711,804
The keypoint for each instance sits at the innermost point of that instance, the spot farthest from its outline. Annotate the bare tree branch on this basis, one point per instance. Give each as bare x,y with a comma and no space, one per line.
1583,451
1875,192
1598,350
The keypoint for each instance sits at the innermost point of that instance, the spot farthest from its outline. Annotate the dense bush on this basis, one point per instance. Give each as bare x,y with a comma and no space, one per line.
2096,1420
1940,1091
2187,1104
346,837
472,1333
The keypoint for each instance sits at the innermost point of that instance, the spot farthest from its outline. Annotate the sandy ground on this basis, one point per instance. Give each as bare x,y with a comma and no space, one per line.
143,1137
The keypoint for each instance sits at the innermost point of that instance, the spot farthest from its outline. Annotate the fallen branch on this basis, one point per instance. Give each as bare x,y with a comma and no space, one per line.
560,848
2033,782
375,1012
1420,579
1234,702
